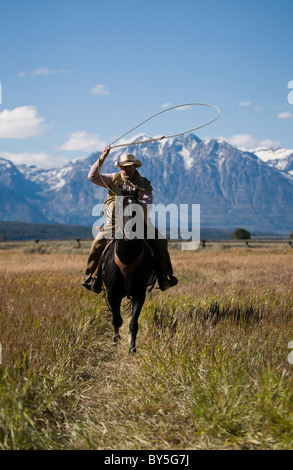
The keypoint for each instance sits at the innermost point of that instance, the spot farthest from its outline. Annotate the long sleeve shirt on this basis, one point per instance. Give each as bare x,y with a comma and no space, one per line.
105,179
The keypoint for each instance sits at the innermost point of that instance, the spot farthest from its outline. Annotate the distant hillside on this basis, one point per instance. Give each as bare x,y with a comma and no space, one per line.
17,231
22,231
234,188
25,231
215,234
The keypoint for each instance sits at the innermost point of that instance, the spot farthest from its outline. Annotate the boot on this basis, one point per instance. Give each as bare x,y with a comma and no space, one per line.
87,283
172,279
166,280
163,282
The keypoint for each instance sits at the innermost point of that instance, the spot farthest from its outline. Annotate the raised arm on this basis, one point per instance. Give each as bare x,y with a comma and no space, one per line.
94,174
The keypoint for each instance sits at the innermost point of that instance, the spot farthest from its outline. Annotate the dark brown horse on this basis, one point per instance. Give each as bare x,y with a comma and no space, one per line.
127,269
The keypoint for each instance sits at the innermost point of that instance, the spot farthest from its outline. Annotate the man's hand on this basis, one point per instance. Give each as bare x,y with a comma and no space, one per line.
105,153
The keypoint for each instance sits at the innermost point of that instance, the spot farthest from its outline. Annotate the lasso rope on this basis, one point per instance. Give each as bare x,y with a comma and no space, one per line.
111,146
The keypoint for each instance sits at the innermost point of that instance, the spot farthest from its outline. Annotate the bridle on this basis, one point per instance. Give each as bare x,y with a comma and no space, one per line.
120,224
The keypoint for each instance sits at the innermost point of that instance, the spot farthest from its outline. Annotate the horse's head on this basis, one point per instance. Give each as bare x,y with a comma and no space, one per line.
131,192
130,213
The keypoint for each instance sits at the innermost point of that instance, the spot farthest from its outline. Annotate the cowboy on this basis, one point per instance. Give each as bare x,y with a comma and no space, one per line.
127,178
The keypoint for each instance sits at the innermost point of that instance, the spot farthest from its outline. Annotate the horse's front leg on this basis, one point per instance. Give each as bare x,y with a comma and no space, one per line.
133,325
116,316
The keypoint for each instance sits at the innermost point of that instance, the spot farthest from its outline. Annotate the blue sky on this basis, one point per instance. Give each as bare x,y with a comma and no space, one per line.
75,74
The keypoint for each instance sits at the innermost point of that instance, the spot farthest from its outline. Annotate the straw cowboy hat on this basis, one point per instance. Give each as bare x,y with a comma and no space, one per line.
127,160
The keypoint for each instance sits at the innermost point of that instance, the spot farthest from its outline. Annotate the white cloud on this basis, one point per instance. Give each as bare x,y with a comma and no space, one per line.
166,105
40,159
83,141
100,89
47,71
285,115
183,108
243,141
21,123
248,142
42,71
170,105
270,143
245,103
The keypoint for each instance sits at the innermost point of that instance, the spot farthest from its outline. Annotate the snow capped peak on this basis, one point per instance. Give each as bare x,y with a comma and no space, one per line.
208,175
187,147
188,159
56,178
221,140
187,151
6,163
125,140
267,154
279,158
51,179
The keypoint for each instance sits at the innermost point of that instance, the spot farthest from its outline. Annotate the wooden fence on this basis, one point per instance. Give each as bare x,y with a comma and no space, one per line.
85,243
251,243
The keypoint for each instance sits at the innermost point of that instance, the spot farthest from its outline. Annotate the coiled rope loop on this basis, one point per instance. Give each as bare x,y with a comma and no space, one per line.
111,146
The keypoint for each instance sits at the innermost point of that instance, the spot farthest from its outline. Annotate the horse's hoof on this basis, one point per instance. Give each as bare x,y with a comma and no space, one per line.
132,350
116,338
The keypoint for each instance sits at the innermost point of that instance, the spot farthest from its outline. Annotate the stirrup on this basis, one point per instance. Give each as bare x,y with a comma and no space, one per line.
96,285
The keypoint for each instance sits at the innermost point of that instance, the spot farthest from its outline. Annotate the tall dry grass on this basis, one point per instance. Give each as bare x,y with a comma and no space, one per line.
211,371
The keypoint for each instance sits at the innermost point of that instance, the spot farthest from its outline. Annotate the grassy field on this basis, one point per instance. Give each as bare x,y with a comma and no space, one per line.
211,371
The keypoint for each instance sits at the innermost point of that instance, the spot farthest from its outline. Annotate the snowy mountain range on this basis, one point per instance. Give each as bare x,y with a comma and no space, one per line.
235,188
279,158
